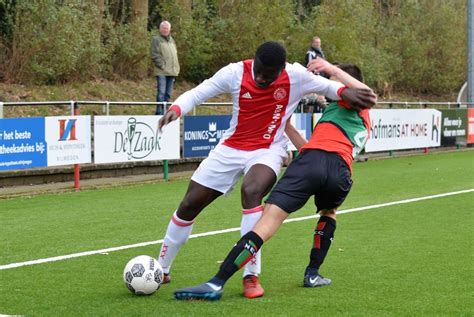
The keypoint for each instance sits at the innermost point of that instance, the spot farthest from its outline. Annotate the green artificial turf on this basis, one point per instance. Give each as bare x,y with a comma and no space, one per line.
410,259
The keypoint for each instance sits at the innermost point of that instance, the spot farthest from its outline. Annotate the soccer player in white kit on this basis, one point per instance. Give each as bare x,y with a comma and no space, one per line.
265,92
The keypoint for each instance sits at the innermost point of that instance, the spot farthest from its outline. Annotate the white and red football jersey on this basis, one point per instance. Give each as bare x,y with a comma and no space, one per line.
259,114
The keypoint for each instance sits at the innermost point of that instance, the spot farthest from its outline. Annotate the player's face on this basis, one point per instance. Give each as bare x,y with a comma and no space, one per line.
264,75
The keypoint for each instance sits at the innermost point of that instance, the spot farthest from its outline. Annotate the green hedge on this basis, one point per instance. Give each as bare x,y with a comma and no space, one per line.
404,45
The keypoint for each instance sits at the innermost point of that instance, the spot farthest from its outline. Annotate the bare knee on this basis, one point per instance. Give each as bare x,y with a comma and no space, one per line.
257,183
252,195
187,210
331,213
196,199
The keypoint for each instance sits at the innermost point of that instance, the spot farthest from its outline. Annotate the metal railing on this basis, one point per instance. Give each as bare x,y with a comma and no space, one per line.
74,105
425,104
69,103
105,104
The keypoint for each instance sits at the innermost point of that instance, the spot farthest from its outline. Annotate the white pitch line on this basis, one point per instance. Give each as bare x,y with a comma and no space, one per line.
211,233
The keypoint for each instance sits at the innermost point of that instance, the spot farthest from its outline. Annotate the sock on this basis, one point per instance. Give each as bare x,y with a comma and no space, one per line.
176,236
242,252
323,236
249,218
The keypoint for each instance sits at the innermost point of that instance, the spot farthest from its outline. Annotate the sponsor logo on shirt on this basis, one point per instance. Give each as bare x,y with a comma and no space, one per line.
273,123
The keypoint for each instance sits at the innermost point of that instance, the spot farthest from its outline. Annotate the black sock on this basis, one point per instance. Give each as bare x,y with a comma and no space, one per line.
323,236
241,254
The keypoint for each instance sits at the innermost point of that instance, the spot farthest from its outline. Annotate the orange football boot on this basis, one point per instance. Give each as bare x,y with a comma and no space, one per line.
252,287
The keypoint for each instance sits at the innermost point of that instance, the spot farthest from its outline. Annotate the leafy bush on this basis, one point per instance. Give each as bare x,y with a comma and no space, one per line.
128,51
405,45
7,15
54,43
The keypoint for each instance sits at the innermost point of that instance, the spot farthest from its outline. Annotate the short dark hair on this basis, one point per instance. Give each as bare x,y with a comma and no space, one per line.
352,70
272,54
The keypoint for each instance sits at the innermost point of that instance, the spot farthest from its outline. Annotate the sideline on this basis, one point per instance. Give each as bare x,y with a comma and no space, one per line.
216,232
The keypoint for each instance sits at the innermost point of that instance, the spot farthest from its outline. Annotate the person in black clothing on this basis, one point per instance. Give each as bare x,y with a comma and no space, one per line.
314,51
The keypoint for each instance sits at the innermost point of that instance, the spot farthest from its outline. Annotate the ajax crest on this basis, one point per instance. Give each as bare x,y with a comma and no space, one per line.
279,94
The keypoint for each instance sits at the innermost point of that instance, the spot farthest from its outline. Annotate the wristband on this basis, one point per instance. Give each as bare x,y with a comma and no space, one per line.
340,90
175,108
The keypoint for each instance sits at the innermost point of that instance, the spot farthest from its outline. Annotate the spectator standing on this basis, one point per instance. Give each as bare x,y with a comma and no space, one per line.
315,50
314,103
164,55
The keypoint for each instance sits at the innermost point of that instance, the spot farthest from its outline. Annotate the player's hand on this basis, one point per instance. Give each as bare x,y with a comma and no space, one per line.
320,65
359,99
169,116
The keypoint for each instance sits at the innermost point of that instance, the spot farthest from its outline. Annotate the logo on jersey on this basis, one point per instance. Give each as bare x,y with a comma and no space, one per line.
247,95
279,94
273,124
360,139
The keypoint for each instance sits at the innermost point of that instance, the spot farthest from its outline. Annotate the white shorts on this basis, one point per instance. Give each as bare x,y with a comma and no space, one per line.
222,169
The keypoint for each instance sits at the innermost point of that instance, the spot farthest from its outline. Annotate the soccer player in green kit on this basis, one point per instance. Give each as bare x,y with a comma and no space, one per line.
323,169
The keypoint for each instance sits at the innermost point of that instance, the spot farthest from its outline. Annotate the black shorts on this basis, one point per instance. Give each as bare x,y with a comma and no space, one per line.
314,172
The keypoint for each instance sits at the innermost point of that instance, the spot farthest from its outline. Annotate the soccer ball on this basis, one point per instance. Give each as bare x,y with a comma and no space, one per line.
143,275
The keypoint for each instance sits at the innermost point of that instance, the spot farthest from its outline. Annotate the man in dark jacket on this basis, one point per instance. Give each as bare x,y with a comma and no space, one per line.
315,50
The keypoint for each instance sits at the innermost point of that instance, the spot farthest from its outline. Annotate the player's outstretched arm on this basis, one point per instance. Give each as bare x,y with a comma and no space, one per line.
358,95
321,65
294,136
169,116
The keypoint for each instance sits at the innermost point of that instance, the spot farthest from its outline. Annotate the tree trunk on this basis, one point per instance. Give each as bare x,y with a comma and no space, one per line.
100,13
139,11
100,6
